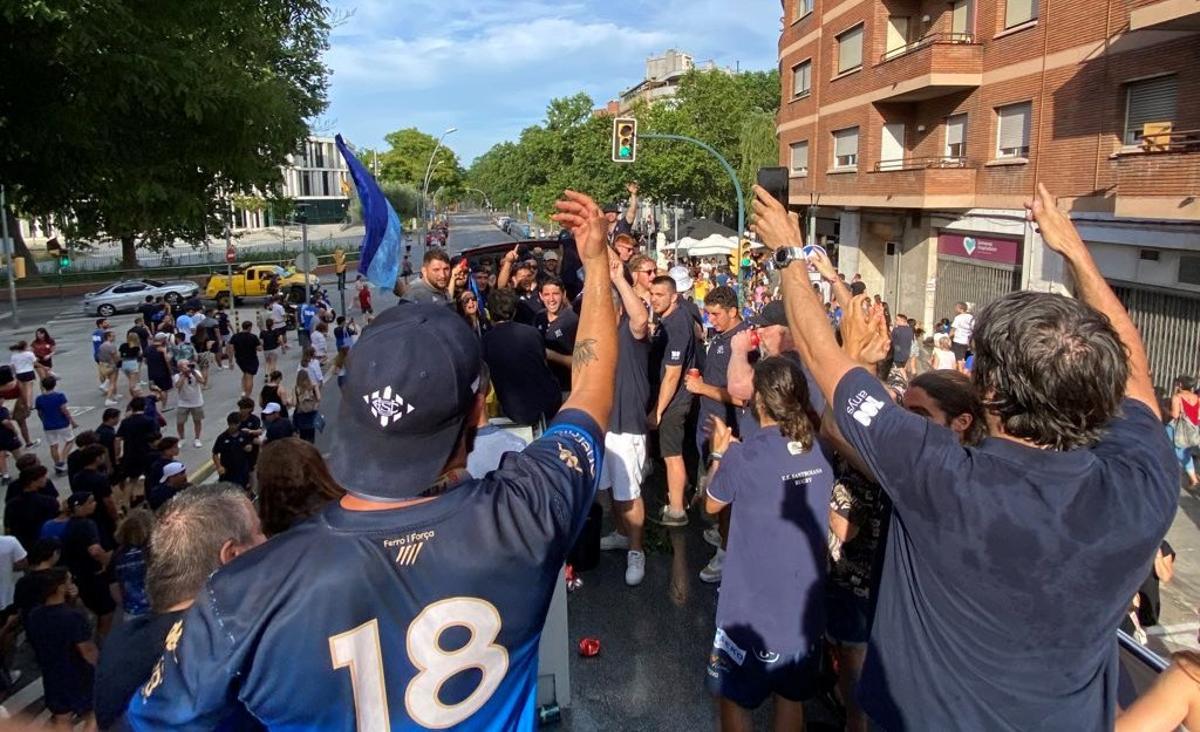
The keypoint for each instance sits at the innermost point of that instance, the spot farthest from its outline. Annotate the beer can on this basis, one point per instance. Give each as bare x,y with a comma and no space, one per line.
589,647
694,373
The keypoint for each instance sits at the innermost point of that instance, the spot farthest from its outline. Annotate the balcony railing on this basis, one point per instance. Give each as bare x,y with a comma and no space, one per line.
1174,141
929,40
929,163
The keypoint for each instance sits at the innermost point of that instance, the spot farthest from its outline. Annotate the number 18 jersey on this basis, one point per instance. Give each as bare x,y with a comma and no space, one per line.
423,617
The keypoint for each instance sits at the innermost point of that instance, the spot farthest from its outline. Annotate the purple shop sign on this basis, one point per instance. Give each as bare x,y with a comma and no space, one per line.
983,248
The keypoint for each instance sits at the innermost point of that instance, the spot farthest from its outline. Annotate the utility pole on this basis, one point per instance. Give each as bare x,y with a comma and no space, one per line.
8,255
304,245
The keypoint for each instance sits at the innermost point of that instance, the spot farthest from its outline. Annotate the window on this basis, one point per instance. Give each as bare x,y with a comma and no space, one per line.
803,8
1017,12
956,136
1012,130
801,79
1150,101
960,16
897,37
850,49
800,158
845,148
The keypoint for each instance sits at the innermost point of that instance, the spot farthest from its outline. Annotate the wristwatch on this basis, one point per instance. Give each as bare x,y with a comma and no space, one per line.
786,255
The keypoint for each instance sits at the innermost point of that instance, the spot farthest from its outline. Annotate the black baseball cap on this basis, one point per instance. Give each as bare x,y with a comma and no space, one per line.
409,384
772,314
611,208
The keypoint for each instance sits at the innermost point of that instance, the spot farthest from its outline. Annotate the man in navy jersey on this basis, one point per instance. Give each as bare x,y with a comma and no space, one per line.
418,599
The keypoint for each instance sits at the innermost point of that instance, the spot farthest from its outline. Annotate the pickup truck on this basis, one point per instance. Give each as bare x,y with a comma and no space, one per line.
253,280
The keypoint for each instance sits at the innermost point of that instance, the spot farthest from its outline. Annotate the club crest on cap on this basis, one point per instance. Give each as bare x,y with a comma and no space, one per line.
387,407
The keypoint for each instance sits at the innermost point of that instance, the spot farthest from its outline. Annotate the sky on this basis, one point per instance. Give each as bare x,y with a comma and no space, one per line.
489,67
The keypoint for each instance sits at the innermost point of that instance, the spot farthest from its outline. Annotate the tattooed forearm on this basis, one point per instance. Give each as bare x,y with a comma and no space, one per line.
585,353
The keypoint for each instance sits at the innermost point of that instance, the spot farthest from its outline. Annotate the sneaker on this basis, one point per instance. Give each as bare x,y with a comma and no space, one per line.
713,536
35,443
635,568
667,517
60,469
111,402
197,444
615,540
711,574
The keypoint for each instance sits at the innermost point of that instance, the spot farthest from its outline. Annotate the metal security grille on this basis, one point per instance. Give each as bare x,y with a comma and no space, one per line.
971,282
1166,321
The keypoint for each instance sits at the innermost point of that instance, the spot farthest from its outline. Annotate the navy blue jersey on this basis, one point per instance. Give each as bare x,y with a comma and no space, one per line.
426,616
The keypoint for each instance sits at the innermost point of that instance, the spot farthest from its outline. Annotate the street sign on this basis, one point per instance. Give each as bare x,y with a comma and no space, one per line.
230,255
306,262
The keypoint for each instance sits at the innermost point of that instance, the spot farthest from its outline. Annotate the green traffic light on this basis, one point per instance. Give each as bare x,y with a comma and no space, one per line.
624,151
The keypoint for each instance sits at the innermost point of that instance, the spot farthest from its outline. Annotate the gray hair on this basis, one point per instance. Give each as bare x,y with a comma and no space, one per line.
185,547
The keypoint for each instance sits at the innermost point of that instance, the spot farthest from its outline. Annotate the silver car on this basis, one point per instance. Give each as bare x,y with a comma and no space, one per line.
126,295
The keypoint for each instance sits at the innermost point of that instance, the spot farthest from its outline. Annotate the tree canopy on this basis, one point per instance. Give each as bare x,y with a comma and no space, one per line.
137,121
735,113
408,155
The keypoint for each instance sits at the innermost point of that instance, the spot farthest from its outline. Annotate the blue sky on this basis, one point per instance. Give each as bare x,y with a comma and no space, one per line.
488,67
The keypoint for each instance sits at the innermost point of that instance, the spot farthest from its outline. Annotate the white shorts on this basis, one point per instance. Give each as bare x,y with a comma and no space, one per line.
624,466
60,437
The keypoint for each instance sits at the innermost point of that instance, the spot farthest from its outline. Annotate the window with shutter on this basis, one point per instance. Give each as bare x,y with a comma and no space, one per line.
850,49
801,79
803,8
956,137
1147,101
1012,133
845,148
959,17
800,158
1017,12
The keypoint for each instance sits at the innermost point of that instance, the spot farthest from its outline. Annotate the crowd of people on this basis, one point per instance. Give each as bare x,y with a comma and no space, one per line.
960,535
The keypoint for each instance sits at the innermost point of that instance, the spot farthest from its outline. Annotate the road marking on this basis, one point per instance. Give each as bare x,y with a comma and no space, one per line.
1174,629
25,698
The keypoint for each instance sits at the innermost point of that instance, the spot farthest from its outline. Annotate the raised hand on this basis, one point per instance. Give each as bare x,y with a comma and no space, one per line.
580,214
824,267
511,257
774,226
1056,228
864,332
632,188
720,434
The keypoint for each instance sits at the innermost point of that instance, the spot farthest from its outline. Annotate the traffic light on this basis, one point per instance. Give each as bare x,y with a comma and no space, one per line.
64,261
624,144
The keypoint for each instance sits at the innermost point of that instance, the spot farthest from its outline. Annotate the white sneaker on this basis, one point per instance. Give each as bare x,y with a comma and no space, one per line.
111,402
197,443
711,574
713,536
614,541
635,568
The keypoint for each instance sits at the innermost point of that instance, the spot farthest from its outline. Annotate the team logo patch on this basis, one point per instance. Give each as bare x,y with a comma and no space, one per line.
676,355
387,407
569,459
724,643
863,407
407,548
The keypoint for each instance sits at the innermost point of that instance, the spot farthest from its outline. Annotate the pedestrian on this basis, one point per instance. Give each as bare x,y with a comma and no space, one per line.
174,482
293,484
310,363
87,559
182,350
275,425
1184,427
961,329
204,342
135,435
320,342
184,324
129,563
274,390
189,385
673,354
232,452
364,296
269,337
308,403
10,444
30,508
142,332
557,323
158,364
102,327
23,363
279,316
307,320
43,349
106,433
61,638
246,346
43,555
902,344
130,353
109,364
147,311
93,478
57,422
943,355
164,451
770,611
224,332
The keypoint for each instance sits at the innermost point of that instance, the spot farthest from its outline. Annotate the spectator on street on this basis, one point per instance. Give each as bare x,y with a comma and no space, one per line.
109,364
293,484
189,385
102,327
130,355
902,343
85,555
269,337
274,390
943,356
57,422
275,425
129,563
43,555
432,286
673,354
320,342
29,510
245,347
24,366
135,435
10,443
43,350
1185,406
232,452
62,644
308,403
364,296
164,452
93,478
516,357
174,482
310,363
158,364
961,329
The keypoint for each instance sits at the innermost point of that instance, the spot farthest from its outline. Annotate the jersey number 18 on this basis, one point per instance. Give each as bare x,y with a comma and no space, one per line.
359,650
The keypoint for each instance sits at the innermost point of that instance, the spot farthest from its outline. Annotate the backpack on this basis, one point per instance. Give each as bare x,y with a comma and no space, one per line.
1186,434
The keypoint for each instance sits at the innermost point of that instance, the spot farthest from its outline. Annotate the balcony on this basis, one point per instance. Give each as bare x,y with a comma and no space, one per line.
909,183
1176,15
934,66
1165,164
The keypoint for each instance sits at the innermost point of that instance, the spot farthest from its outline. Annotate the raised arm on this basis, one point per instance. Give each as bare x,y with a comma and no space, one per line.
841,293
506,265
631,210
594,367
1060,235
635,309
740,374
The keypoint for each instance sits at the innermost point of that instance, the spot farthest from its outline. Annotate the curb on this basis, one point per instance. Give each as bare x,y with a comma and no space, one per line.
203,473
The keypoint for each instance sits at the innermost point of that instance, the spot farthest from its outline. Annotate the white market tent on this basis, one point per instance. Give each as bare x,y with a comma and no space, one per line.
713,245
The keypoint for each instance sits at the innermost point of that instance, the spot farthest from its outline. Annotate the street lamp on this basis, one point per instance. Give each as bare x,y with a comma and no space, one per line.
425,184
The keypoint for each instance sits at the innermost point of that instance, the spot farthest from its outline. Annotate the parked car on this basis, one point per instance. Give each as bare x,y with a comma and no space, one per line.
253,281
503,223
126,295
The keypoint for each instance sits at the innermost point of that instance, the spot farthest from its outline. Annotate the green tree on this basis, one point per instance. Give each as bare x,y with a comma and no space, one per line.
405,200
137,121
407,156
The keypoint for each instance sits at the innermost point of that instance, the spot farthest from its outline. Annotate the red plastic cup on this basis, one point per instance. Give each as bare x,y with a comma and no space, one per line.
694,373
754,339
589,647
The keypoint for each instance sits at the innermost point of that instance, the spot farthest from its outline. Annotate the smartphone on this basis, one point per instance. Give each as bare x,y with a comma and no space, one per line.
775,181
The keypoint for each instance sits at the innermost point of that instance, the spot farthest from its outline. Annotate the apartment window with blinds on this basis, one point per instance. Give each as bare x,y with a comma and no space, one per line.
801,79
1012,130
800,158
956,137
803,8
1148,101
850,49
1017,12
845,149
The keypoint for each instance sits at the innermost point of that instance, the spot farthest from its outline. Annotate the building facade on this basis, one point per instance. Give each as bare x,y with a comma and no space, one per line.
663,74
914,130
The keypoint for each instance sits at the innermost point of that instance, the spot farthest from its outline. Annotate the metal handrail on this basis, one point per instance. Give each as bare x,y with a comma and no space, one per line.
930,39
943,161
1173,141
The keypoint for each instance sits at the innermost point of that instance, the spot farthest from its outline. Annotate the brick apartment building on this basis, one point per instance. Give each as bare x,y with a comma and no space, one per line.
915,129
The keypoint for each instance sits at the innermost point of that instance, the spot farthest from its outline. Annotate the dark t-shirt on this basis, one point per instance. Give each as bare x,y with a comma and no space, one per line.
1007,567
49,408
524,384
674,344
854,564
772,589
559,337
902,340
137,431
245,347
129,353
98,484
126,662
107,435
277,429
632,399
161,493
55,631
529,307
25,514
81,533
234,457
716,373
270,339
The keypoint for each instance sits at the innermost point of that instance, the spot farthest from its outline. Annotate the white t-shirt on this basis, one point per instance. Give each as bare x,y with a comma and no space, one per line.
314,371
190,391
10,552
277,315
944,359
22,361
963,325
318,343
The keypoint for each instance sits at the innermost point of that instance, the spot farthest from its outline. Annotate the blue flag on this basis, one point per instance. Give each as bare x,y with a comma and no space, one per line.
379,259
